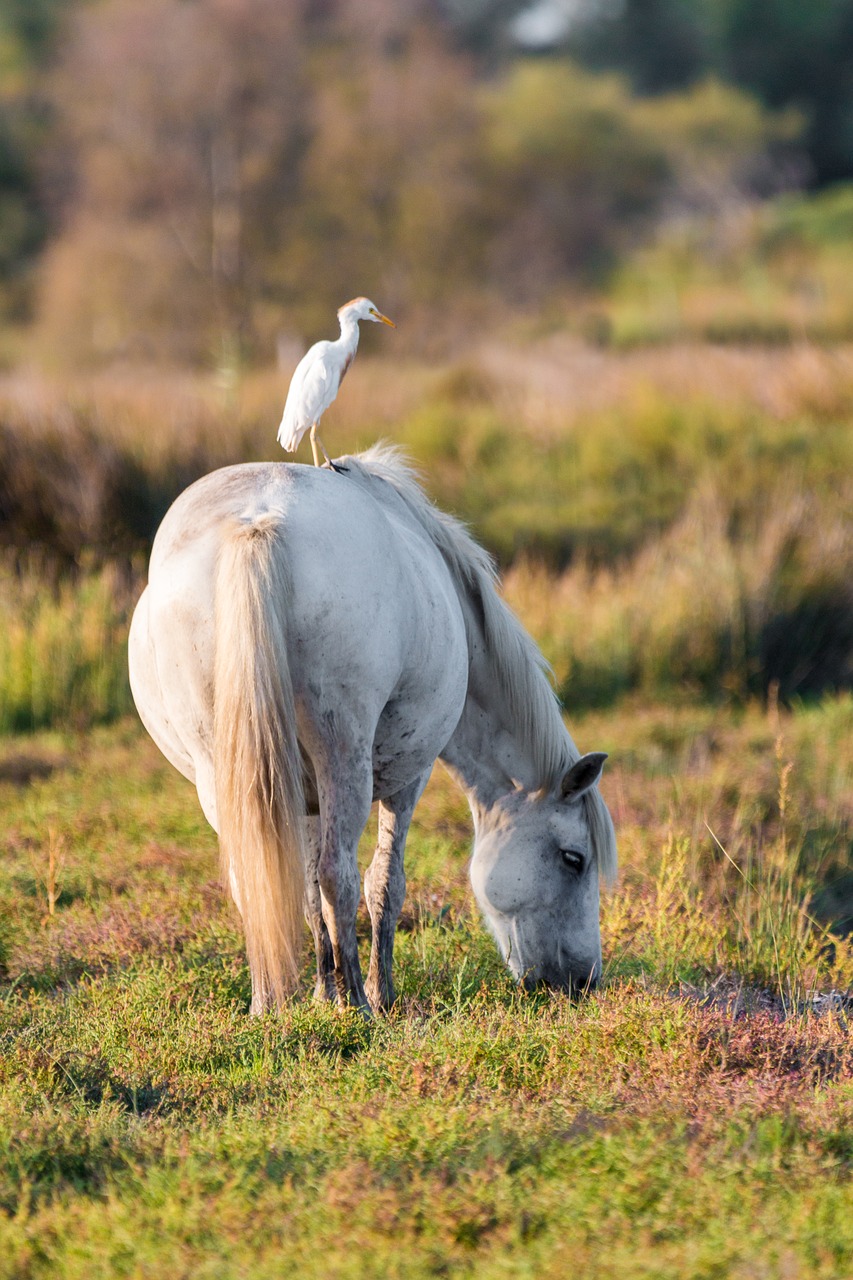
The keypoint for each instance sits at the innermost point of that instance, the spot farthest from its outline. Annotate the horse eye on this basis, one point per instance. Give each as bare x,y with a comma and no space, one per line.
572,859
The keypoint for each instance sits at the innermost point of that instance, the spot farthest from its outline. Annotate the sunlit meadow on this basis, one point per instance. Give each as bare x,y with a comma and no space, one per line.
691,1118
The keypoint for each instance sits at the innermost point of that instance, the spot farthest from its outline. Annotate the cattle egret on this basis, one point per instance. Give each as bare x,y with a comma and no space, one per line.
319,374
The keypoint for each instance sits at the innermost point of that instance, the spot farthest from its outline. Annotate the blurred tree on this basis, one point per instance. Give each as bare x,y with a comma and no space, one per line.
483,26
393,186
575,171
801,54
228,171
723,146
792,53
580,170
235,167
659,44
26,30
182,129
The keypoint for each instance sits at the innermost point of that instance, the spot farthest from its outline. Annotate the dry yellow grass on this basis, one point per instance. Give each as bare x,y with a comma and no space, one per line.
543,384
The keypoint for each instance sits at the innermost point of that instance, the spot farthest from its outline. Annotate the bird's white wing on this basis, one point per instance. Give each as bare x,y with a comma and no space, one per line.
312,389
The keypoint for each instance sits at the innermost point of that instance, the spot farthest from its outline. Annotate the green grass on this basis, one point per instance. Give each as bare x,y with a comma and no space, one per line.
513,442
608,486
691,1119
63,646
762,275
656,539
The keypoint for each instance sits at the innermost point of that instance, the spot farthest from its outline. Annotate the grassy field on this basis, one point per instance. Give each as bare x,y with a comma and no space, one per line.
685,562
694,1118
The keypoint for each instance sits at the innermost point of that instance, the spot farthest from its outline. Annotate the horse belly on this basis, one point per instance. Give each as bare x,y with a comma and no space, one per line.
418,721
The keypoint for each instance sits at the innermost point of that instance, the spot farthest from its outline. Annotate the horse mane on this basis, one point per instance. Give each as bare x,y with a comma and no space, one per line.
519,670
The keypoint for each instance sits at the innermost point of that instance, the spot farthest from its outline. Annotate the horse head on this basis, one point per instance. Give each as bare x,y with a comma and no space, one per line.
535,874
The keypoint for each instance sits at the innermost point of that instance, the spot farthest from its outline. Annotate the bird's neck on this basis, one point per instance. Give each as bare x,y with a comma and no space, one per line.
349,332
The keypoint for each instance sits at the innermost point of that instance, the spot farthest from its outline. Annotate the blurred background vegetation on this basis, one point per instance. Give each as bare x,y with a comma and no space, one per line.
204,180
617,236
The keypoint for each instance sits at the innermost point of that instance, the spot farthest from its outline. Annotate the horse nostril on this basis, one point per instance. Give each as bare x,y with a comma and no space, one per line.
578,983
573,982
591,979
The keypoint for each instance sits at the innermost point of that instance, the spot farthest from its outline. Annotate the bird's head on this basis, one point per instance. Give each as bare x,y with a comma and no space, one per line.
363,309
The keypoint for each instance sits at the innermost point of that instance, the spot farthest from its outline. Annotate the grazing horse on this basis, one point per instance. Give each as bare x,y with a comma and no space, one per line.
309,643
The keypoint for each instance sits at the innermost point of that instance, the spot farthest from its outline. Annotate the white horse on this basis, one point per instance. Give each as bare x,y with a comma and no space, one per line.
310,642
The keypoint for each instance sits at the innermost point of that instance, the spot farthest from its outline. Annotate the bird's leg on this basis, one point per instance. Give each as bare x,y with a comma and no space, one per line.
315,441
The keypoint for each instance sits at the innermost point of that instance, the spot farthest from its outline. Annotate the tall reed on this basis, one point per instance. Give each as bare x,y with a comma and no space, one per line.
63,652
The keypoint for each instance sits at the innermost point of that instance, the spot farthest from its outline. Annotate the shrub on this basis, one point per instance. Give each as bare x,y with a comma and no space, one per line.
705,610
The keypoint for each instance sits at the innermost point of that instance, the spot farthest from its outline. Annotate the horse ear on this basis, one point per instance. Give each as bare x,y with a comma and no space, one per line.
582,775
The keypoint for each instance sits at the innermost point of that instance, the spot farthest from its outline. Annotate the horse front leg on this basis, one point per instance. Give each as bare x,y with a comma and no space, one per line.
385,889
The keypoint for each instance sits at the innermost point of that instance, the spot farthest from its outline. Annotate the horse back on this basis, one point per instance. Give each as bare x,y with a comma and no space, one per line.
375,633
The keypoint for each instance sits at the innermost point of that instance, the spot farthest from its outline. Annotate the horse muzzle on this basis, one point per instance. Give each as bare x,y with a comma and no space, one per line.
576,981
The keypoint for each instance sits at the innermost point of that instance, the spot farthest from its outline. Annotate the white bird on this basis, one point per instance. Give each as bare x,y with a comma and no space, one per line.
318,375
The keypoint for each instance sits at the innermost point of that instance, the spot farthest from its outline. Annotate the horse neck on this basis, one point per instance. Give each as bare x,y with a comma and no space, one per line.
486,753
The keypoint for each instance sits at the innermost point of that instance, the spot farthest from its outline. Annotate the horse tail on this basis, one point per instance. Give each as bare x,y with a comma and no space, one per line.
259,797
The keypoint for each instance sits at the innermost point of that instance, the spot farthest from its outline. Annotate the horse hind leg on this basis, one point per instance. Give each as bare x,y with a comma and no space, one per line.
324,988
345,799
385,889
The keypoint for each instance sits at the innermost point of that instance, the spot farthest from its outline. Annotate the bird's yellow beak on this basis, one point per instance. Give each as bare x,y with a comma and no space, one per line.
379,316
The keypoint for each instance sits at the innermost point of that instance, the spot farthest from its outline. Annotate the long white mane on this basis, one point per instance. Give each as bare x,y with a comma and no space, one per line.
519,670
